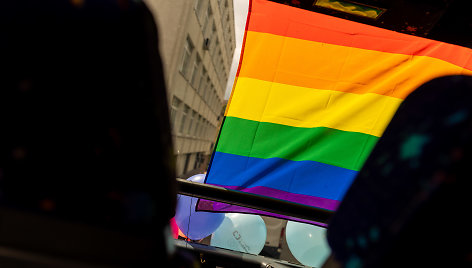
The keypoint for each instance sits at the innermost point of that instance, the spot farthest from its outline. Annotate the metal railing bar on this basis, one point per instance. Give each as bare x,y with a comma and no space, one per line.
268,204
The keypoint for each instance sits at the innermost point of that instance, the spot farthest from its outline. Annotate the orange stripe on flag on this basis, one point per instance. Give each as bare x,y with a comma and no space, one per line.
318,65
274,18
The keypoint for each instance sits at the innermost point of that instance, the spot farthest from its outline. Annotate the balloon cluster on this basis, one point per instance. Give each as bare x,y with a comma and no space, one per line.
246,232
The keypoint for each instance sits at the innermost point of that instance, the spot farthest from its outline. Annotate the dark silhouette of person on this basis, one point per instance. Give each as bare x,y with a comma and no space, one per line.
86,161
408,207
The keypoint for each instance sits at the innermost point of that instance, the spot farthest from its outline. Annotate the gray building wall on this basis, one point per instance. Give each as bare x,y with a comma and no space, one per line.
197,42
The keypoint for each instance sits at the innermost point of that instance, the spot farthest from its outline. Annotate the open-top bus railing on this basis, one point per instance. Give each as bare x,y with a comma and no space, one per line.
268,204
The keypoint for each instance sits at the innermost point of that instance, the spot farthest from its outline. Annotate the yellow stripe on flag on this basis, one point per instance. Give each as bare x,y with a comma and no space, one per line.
295,106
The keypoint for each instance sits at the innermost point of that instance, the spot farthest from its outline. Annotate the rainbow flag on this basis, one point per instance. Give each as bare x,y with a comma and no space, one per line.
312,96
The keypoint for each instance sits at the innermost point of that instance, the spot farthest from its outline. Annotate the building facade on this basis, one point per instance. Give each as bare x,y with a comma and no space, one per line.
197,41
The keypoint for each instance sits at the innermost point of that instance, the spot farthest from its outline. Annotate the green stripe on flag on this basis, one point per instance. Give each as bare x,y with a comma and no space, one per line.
267,140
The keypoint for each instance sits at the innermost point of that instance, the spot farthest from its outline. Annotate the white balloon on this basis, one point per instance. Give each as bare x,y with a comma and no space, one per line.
307,243
241,232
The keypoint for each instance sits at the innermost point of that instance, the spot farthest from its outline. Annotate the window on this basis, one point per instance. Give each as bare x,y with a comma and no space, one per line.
197,65
210,136
208,92
212,131
213,90
198,159
198,125
214,48
230,46
221,69
221,6
188,50
185,113
213,35
203,81
224,12
219,61
187,159
210,101
206,21
193,117
175,105
217,105
202,127
224,76
213,102
207,129
198,7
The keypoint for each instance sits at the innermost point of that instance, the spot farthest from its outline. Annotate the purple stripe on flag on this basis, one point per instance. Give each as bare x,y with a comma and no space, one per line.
296,198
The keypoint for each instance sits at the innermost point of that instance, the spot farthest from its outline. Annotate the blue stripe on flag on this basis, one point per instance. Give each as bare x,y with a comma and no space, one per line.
299,177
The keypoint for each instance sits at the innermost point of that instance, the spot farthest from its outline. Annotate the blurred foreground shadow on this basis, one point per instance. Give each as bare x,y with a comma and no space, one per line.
409,205
86,164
